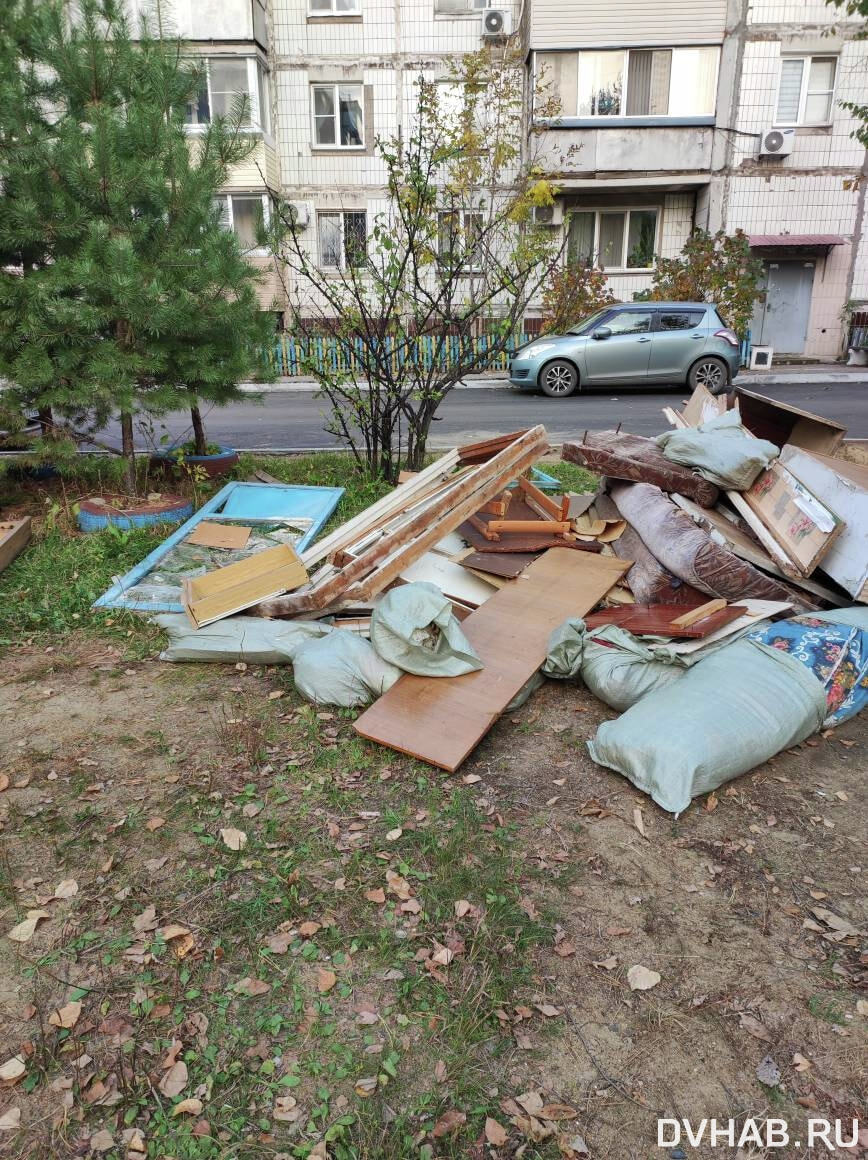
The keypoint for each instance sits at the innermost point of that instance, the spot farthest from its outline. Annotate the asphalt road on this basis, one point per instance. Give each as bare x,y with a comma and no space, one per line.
294,420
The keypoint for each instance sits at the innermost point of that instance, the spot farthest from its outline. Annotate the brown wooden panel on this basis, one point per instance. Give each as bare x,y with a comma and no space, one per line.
508,564
657,620
441,719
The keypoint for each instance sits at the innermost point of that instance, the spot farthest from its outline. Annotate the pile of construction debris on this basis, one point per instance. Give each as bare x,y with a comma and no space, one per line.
667,590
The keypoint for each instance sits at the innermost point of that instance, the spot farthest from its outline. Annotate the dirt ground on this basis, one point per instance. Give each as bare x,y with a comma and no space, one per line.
730,904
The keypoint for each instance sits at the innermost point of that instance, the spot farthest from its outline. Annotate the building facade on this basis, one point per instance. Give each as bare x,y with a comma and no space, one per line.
720,114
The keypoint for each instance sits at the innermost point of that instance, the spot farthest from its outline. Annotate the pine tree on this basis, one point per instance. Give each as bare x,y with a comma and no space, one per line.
141,302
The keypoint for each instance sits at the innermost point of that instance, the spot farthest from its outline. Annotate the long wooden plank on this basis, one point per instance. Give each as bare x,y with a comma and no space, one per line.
14,538
441,719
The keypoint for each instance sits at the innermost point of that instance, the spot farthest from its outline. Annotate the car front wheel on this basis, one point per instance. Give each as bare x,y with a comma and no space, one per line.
711,373
558,379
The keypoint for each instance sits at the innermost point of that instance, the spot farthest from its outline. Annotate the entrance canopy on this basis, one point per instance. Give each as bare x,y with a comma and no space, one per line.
807,243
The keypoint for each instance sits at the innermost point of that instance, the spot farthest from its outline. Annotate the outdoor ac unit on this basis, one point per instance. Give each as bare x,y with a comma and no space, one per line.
300,211
548,215
777,142
496,23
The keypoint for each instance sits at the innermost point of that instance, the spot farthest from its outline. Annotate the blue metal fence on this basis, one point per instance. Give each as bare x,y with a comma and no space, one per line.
299,356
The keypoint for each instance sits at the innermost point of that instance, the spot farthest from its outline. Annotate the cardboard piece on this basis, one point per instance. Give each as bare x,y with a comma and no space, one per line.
213,535
799,522
14,538
238,586
843,487
783,423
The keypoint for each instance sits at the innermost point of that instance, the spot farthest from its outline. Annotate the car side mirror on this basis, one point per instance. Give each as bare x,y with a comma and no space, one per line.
602,332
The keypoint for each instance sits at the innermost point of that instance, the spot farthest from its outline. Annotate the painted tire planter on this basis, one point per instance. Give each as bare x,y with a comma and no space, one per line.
214,466
96,517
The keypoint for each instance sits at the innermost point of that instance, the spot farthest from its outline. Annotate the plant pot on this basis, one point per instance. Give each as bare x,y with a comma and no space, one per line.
213,465
168,509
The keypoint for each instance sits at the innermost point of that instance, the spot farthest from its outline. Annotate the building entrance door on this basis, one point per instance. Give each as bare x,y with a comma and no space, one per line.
783,317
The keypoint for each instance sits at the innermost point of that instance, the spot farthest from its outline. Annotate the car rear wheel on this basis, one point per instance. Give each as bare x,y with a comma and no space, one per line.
558,379
711,373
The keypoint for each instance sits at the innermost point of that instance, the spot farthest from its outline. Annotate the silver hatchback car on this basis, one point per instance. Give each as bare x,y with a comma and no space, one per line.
633,344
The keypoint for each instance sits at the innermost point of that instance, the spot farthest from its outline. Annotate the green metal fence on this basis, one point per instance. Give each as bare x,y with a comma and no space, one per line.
299,356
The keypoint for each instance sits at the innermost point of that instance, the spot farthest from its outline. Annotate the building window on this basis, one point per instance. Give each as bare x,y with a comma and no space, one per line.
459,236
226,82
659,82
463,7
616,239
806,90
343,239
244,214
334,7
338,116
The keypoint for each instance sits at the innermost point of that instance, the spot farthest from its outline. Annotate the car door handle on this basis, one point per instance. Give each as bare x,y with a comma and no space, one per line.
696,336
644,339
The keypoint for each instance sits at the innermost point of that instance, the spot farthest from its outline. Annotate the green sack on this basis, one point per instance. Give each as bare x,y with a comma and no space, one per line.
721,450
413,627
724,716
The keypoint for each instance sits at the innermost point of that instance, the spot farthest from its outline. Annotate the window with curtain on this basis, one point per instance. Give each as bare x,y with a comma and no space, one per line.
622,239
652,82
243,214
338,116
226,82
343,239
334,7
806,90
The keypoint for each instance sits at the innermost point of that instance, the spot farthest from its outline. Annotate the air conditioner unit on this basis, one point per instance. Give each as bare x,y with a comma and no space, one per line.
300,213
496,23
777,142
548,215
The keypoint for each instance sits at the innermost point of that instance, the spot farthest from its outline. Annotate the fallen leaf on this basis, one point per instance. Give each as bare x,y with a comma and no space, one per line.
188,1107
102,1141
753,1027
440,1071
325,980
173,930
251,809
394,835
548,1010
309,929
397,885
642,978
200,1128
833,920
564,949
252,987
443,957
495,1133
378,895
462,907
557,1112
275,694
154,824
711,803
574,1146
66,889
638,822
448,1123
608,964
25,929
768,1072
800,1063
13,1069
471,779
365,1086
10,1120
4,781
285,1109
175,1079
233,839
530,1101
147,920
862,1007
66,1016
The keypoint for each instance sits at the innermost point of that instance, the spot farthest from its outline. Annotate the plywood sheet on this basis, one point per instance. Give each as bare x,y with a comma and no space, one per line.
209,534
505,564
441,720
238,586
453,581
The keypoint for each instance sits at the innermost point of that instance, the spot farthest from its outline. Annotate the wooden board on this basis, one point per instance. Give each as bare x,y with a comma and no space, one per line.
212,535
657,620
799,522
441,719
14,538
505,564
238,586
524,544
453,581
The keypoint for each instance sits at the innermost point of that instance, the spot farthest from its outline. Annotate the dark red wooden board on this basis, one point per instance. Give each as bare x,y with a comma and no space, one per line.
656,620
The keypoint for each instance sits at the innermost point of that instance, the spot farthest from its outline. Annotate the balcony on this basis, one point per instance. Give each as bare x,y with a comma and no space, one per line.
576,148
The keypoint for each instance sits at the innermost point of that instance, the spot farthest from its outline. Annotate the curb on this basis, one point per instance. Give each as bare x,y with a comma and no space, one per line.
491,383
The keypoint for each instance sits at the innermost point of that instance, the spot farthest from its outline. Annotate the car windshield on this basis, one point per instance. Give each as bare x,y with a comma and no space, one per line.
589,322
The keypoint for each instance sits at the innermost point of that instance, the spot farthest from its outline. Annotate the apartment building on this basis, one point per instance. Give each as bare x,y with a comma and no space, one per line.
714,113
722,114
